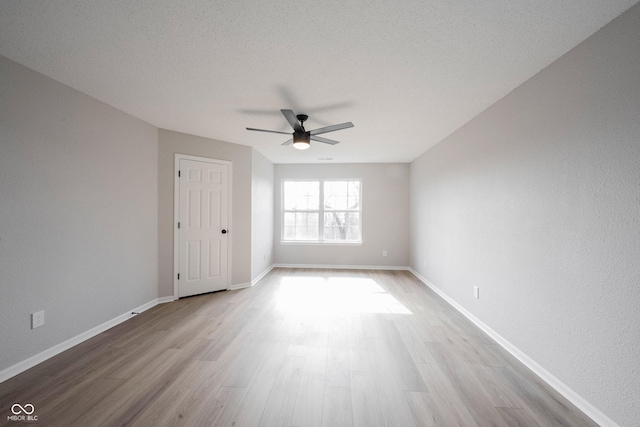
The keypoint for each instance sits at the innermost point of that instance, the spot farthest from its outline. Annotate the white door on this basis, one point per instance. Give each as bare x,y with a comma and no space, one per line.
203,221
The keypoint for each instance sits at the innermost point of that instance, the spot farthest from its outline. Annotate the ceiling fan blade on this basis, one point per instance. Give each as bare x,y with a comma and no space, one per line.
270,131
292,119
325,140
331,128
288,142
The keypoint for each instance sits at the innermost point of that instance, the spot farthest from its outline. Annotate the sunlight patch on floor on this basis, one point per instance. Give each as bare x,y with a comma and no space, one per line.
335,295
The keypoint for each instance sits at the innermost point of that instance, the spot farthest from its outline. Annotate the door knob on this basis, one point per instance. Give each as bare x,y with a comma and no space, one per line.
224,231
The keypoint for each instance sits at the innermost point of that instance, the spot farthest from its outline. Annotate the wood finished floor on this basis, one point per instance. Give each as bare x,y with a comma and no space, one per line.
301,348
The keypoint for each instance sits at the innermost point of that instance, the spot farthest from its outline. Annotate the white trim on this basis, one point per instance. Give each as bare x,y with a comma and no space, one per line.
261,275
345,267
591,411
253,281
176,214
65,345
164,300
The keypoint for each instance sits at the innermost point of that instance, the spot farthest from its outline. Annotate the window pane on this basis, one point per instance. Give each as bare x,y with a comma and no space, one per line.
335,194
341,195
289,219
336,226
301,226
289,232
353,226
329,195
340,188
313,233
312,229
301,233
354,195
312,220
330,230
309,193
313,202
306,233
289,195
341,226
341,202
301,195
312,188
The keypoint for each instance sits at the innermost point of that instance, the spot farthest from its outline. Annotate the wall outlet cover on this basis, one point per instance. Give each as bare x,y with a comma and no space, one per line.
37,319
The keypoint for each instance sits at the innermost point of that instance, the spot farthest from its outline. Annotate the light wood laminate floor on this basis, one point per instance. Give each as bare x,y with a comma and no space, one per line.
301,348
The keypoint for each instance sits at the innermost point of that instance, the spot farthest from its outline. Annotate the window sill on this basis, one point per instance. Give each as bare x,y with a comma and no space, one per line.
318,243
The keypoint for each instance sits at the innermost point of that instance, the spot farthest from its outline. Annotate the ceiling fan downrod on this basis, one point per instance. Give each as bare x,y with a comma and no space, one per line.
302,118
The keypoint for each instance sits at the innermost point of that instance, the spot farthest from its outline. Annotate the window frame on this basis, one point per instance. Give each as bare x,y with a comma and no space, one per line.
321,211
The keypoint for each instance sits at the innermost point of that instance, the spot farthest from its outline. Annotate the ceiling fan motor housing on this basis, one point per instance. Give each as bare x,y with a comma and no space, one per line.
302,137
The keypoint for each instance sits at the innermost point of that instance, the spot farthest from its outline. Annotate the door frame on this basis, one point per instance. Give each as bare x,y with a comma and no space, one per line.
176,215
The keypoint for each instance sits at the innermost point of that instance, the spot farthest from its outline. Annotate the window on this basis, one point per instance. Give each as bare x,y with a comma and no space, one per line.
321,211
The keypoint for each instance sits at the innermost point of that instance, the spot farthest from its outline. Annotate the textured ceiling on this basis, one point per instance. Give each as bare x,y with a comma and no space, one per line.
407,73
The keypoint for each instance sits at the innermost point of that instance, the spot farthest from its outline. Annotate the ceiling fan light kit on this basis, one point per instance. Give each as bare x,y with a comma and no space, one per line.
301,138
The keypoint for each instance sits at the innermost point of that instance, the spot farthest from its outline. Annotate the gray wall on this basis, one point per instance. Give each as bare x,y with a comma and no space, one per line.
169,143
537,202
261,214
385,215
78,212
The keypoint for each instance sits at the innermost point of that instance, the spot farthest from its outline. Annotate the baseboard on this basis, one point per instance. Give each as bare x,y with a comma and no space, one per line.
261,275
344,267
163,300
325,266
253,281
65,345
239,286
591,411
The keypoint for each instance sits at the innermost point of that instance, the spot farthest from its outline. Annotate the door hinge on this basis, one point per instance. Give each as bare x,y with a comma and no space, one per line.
178,174
178,276
178,224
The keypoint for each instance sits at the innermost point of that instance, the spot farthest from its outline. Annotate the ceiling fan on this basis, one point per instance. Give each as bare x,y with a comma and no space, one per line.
301,138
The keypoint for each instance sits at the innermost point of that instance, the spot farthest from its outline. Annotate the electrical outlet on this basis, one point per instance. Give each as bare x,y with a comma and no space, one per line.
476,292
37,319
384,253
425,262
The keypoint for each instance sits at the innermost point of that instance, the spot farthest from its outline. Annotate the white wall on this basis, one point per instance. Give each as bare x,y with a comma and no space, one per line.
385,215
174,142
78,212
261,214
537,202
